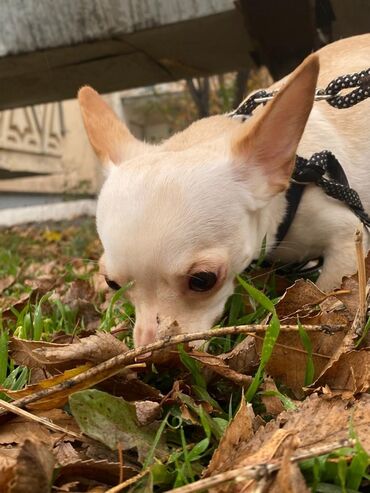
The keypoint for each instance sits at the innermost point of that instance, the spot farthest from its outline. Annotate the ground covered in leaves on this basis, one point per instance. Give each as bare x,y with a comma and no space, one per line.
279,403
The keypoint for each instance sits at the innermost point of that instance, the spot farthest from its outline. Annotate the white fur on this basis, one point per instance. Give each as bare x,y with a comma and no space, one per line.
184,203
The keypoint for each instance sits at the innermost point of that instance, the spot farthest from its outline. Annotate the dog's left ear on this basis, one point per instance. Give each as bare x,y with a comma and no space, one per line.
111,139
268,143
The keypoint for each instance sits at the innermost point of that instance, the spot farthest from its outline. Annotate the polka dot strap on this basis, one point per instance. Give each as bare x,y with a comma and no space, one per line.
360,81
324,170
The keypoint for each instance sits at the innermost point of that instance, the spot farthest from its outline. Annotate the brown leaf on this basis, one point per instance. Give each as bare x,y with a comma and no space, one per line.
300,300
37,354
216,364
59,398
289,358
147,412
102,471
7,468
95,348
65,453
239,430
348,375
18,429
34,469
18,304
272,403
243,358
351,299
289,478
23,353
341,369
80,297
331,420
6,282
131,389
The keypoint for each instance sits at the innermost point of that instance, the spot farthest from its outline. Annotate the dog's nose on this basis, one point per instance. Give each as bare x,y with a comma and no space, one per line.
144,335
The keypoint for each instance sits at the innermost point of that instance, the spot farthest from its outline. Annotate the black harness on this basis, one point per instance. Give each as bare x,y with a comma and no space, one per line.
323,168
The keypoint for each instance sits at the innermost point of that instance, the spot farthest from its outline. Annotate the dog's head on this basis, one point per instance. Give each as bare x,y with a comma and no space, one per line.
181,219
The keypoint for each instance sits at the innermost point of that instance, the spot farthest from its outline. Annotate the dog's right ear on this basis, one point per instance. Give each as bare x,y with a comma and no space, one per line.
110,138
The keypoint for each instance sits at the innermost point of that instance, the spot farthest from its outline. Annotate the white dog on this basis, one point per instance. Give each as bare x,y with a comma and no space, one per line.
182,218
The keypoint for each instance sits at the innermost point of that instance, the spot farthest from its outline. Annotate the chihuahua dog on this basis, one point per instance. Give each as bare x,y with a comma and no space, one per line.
181,219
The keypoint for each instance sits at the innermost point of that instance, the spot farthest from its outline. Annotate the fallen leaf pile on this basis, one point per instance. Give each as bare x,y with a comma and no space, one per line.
83,421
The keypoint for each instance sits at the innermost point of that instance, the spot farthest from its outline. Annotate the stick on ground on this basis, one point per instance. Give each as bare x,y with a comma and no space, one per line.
116,364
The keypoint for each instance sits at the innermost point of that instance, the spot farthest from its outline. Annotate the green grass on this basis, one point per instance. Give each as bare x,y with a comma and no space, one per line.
192,435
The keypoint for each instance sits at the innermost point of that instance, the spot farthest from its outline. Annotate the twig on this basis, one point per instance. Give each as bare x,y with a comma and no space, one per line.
258,471
44,421
121,463
114,365
128,482
361,267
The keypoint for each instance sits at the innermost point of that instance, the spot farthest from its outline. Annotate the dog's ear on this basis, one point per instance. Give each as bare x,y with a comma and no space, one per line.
110,138
269,141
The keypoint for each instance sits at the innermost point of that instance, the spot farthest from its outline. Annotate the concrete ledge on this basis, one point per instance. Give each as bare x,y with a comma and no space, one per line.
48,212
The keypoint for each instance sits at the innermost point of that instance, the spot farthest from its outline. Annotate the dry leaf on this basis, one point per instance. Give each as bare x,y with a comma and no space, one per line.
95,349
243,358
330,419
289,478
239,430
288,361
33,470
103,471
272,403
218,365
147,412
65,453
301,300
60,398
351,299
23,353
348,375
6,282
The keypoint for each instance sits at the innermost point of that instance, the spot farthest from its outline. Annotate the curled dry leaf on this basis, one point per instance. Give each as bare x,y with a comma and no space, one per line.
347,376
289,478
147,412
350,295
288,361
23,353
330,418
272,403
37,354
243,358
347,371
32,469
65,453
6,282
59,398
7,305
240,430
218,365
102,471
299,300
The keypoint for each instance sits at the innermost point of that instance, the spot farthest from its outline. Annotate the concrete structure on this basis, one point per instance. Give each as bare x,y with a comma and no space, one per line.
49,48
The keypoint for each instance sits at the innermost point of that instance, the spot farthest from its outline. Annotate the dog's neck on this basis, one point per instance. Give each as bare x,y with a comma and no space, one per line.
267,222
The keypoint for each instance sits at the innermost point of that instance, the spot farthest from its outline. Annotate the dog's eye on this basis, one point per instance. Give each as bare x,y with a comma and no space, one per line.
202,281
112,284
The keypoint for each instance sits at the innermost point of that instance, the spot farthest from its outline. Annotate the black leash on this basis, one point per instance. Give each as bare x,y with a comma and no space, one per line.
311,171
359,80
